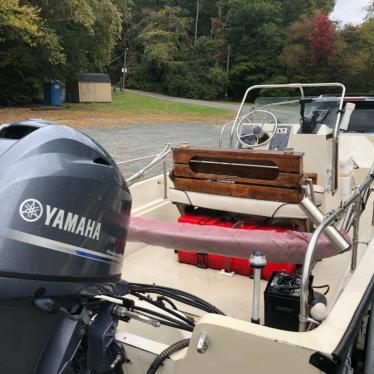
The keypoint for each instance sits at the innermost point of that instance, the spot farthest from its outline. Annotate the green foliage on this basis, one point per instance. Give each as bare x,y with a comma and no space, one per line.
199,75
256,36
164,39
172,64
49,39
292,10
356,54
238,43
88,30
27,44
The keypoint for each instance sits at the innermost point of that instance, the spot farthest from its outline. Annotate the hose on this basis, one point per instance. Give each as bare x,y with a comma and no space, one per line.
175,294
158,361
172,312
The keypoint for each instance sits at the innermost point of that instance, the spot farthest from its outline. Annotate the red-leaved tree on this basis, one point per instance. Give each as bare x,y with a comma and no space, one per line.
322,38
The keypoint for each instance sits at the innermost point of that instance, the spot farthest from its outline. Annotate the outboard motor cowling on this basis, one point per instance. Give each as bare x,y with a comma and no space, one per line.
65,209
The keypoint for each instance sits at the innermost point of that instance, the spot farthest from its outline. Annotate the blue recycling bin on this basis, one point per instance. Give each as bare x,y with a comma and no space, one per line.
52,93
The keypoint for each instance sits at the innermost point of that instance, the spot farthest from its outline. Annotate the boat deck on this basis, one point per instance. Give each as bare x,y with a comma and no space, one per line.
231,294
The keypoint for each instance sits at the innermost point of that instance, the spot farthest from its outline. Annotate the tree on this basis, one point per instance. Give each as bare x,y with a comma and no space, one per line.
165,38
88,31
322,37
269,40
311,49
257,37
296,55
370,10
27,45
200,75
355,56
49,39
292,10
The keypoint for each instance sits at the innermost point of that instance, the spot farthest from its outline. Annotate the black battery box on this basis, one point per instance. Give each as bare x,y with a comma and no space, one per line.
282,301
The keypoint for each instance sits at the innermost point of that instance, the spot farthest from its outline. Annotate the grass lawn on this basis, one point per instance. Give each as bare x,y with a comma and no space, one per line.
125,109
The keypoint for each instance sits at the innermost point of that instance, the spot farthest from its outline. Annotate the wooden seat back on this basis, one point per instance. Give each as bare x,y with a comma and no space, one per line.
255,174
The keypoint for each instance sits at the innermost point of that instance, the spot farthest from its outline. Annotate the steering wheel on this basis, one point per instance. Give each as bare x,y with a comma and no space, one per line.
255,135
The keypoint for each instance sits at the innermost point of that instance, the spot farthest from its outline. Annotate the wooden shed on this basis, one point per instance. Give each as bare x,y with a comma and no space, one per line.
90,88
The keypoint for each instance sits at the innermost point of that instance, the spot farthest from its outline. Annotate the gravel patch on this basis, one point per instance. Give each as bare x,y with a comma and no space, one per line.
142,140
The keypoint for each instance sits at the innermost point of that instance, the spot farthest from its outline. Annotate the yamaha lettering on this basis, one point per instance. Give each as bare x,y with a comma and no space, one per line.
31,210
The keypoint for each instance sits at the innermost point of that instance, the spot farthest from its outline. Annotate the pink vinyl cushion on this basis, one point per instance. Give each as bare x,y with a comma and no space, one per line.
287,246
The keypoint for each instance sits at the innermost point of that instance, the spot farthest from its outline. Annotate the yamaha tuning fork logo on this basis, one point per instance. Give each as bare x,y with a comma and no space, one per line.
31,210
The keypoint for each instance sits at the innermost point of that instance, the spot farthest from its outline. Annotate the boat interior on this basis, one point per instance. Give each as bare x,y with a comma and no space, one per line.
279,171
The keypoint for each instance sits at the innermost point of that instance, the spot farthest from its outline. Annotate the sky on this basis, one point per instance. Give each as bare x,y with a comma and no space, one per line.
349,11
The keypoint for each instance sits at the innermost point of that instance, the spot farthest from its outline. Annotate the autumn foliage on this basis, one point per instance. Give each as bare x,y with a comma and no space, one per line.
322,38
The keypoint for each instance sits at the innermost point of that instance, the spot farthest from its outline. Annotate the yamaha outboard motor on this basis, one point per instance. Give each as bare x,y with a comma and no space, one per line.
63,225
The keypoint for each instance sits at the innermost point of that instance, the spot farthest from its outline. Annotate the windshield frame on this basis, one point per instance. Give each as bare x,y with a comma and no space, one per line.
301,87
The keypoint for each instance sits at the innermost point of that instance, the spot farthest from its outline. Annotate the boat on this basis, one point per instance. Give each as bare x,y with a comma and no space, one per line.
254,255
242,177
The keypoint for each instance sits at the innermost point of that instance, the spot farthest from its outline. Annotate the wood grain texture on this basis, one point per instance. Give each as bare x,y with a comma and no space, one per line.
254,174
312,176
286,195
286,161
282,180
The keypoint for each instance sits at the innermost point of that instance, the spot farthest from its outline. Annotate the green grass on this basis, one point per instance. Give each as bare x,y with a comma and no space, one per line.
125,109
125,102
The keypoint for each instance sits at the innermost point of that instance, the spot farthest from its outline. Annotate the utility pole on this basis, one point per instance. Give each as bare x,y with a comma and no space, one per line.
197,18
227,69
124,70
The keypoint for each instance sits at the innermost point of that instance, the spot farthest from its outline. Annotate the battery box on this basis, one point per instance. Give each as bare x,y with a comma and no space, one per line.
282,301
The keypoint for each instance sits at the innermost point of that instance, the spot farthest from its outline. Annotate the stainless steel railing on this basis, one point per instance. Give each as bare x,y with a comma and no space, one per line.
300,86
223,129
231,123
353,207
157,160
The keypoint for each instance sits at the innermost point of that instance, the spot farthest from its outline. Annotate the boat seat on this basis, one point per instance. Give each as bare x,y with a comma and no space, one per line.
263,208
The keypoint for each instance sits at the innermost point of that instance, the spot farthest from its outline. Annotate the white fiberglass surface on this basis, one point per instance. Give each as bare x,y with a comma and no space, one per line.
231,294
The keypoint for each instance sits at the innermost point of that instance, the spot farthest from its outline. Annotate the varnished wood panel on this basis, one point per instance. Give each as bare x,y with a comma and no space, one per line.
313,177
287,195
282,180
286,162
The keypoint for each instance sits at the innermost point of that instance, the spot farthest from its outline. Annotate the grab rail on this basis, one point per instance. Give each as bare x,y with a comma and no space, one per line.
135,159
358,196
220,141
301,86
160,157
